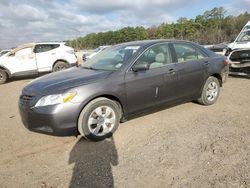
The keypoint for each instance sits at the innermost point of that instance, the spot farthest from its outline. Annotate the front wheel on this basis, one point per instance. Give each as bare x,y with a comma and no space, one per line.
210,91
3,76
60,65
99,119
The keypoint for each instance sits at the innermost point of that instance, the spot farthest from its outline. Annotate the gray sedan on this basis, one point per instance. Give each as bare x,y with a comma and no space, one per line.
124,80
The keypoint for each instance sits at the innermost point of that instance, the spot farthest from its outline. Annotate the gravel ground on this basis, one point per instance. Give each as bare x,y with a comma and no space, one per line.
184,146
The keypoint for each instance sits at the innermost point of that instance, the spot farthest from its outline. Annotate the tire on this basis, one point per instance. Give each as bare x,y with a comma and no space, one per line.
60,65
3,76
210,91
99,119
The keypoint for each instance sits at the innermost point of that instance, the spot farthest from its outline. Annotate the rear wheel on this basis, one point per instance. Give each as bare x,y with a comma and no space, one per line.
210,91
99,119
3,76
60,65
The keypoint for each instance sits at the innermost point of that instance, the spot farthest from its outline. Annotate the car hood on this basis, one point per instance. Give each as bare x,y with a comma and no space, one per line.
63,80
3,59
231,45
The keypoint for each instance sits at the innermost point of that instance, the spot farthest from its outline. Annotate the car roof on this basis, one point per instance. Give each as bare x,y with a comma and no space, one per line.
151,42
50,43
29,45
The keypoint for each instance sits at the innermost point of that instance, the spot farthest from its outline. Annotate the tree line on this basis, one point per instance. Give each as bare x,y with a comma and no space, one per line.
212,27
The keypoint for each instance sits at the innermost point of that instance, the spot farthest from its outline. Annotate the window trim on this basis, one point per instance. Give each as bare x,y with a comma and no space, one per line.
171,44
58,45
129,69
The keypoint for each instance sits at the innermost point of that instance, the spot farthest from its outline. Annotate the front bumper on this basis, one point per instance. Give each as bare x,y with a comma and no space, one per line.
242,69
60,120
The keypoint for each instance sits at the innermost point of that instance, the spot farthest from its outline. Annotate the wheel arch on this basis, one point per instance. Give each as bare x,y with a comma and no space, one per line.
6,70
63,60
218,76
110,97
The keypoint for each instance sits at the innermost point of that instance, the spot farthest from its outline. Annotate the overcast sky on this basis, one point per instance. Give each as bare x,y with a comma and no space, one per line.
53,20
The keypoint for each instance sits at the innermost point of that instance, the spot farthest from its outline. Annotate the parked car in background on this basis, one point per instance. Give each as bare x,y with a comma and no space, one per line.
87,56
35,58
3,52
121,81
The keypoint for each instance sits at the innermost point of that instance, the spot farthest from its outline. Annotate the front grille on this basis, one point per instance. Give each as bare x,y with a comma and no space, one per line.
26,99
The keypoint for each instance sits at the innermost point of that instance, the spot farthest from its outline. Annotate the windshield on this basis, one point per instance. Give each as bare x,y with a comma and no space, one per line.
247,27
244,36
111,59
97,49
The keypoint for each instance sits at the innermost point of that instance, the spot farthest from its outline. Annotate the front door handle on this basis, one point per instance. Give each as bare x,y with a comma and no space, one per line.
171,71
206,63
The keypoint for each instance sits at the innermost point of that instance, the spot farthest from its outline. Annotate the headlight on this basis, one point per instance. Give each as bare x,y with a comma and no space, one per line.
56,99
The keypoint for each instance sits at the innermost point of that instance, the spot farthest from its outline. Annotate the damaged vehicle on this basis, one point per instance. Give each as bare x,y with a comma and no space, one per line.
36,58
242,41
239,62
238,52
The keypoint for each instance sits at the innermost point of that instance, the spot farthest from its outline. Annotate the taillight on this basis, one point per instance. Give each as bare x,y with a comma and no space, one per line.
226,62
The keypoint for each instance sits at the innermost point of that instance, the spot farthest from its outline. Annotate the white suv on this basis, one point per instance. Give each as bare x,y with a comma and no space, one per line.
35,58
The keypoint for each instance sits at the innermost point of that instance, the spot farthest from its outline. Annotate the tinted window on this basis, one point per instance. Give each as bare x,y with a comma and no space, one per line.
187,52
156,56
45,47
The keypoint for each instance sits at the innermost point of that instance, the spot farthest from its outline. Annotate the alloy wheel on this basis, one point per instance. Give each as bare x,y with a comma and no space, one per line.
212,91
101,120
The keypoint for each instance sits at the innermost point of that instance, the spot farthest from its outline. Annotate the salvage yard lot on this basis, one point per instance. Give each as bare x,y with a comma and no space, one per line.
184,146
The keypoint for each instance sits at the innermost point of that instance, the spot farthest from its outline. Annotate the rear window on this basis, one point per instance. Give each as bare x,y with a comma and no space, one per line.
39,48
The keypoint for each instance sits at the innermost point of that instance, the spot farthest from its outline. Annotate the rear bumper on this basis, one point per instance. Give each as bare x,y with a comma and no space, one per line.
59,120
224,74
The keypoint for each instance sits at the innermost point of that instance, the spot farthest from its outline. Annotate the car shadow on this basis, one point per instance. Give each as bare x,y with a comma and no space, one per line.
93,163
239,76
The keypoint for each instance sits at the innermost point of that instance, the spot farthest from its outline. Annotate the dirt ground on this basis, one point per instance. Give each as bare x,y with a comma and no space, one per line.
184,146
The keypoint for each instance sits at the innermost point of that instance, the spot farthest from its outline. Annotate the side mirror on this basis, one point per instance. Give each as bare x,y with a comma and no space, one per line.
11,54
140,67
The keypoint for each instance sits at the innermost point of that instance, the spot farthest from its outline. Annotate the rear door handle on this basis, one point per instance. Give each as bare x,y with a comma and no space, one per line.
171,71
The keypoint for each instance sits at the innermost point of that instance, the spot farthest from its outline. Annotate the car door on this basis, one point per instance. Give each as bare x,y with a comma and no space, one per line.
46,55
23,62
192,66
146,88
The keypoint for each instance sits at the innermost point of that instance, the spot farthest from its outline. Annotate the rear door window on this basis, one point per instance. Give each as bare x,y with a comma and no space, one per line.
186,52
39,48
